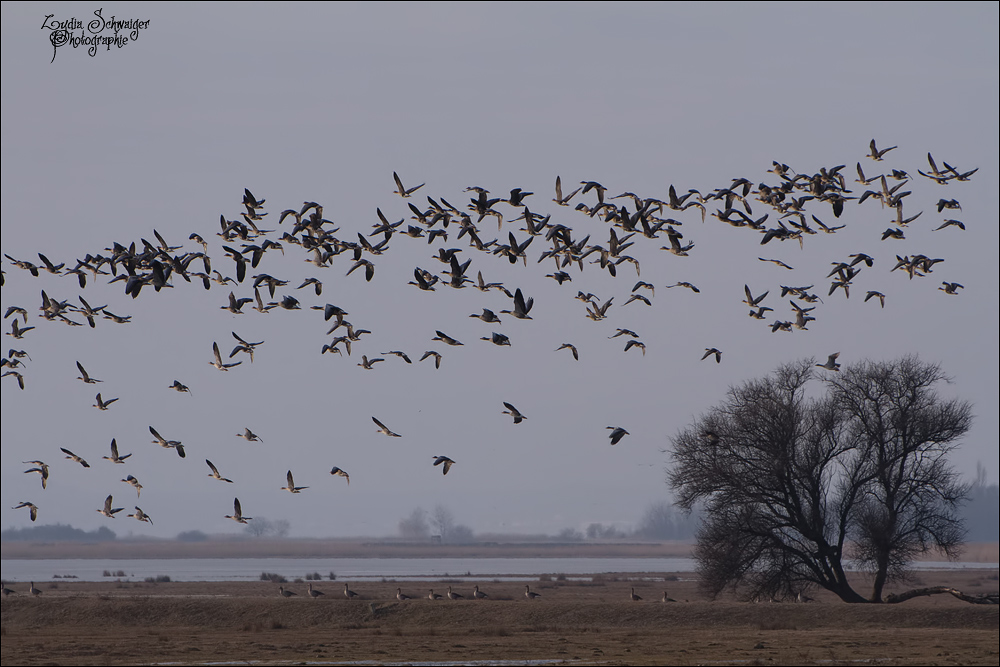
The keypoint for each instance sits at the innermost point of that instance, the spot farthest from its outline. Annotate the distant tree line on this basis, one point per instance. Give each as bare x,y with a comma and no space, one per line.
57,533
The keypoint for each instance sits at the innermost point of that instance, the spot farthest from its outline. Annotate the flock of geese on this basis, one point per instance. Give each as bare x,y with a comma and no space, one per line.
791,208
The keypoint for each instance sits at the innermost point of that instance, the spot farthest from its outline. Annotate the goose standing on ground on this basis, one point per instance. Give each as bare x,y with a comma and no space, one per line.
285,593
633,597
349,594
667,598
400,595
34,592
454,596
431,595
478,594
530,594
313,593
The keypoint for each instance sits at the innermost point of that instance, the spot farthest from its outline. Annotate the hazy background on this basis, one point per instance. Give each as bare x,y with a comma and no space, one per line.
322,103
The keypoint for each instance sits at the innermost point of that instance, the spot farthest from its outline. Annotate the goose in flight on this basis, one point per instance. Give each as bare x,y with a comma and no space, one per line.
369,364
877,154
497,339
401,355
685,284
73,457
218,360
291,485
108,511
15,374
177,386
636,343
951,288
571,348
249,436
140,515
382,428
709,351
41,468
445,338
215,473
559,198
530,594
448,463
521,306
432,353
751,300
102,404
617,433
167,444
32,509
115,458
83,374
237,515
831,363
340,473
878,295
513,412
487,316
402,191
131,480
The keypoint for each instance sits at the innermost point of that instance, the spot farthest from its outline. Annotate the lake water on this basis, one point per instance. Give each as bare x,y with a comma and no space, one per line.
358,569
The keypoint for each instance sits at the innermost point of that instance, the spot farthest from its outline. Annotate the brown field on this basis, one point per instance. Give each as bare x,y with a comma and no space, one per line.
586,622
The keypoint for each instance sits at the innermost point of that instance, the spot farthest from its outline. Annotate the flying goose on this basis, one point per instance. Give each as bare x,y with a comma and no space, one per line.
215,472
831,363
167,444
32,509
382,428
291,485
521,306
402,191
177,386
617,433
877,154
249,436
340,473
448,463
571,348
218,360
41,468
445,338
107,511
73,457
134,483
951,288
115,458
513,412
83,371
237,515
140,515
102,404
709,351
437,358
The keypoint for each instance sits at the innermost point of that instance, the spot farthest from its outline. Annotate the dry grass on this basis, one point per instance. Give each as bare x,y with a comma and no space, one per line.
96,623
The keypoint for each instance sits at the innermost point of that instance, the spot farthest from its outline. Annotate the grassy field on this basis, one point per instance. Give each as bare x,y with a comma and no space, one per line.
586,622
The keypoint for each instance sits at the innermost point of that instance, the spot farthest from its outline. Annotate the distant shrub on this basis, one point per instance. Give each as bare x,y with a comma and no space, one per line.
158,579
192,536
273,577
332,575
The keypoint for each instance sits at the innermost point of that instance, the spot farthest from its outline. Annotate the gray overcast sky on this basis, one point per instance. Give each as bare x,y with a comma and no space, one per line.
323,102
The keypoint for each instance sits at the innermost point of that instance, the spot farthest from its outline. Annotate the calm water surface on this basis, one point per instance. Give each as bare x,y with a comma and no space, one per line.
355,569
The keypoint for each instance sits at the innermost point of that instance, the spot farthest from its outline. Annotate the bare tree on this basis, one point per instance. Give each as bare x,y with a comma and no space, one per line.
415,526
792,485
264,527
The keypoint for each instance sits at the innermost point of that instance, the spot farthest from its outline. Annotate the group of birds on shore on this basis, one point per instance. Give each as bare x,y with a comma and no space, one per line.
629,220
